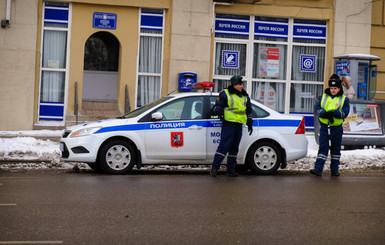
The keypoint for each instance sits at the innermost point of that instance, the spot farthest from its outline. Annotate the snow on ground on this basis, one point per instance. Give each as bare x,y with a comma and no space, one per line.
23,149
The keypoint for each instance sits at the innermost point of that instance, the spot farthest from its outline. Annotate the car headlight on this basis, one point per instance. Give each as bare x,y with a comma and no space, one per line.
84,132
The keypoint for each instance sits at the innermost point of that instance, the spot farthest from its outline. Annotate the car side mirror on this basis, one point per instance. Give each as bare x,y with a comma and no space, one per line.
157,116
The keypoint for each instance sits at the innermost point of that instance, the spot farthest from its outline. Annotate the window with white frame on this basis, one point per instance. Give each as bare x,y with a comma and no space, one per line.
282,59
53,63
150,60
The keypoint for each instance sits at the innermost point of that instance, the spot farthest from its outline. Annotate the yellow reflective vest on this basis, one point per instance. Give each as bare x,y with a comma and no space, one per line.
329,104
236,110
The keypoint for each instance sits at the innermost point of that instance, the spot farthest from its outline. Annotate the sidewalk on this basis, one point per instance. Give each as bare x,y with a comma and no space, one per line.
53,135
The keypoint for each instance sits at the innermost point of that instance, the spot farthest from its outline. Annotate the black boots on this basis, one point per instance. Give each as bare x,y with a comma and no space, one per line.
335,173
213,172
316,172
231,173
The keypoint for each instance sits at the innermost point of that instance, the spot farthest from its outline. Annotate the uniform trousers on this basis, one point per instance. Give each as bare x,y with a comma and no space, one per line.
335,138
231,135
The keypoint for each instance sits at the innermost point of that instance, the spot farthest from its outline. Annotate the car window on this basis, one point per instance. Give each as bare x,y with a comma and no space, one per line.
256,113
212,103
144,108
183,109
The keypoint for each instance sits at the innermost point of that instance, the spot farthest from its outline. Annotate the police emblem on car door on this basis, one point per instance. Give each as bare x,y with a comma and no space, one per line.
180,133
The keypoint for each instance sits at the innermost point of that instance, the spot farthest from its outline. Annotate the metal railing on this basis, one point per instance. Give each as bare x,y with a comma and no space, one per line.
76,106
127,105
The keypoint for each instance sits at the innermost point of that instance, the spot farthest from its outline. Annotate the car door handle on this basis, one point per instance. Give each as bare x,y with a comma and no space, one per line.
195,127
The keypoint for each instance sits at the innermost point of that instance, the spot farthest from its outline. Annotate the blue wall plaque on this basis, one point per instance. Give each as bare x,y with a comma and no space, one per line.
104,20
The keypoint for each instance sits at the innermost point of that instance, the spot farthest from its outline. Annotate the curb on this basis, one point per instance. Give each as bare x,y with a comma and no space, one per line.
39,137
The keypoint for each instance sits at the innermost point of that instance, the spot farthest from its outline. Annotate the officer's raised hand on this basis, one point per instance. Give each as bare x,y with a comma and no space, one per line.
249,124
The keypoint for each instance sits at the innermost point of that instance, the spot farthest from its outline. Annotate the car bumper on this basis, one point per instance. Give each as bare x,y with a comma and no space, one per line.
80,149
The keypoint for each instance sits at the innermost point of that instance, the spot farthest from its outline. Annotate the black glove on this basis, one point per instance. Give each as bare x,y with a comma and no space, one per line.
329,116
249,124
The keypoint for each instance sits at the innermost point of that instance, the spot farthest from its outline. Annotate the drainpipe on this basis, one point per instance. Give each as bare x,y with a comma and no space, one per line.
213,16
5,23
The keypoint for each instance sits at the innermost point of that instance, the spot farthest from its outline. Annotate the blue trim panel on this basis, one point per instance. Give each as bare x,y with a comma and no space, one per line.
278,123
232,26
50,119
58,14
202,123
51,109
309,119
309,32
273,29
151,22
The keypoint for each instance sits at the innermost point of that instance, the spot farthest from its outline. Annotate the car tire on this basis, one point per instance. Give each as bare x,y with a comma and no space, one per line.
117,157
264,158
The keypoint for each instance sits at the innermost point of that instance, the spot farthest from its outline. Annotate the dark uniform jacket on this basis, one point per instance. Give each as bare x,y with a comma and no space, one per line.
221,103
342,114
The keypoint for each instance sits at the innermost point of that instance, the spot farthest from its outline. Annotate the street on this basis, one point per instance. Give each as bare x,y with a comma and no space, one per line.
187,207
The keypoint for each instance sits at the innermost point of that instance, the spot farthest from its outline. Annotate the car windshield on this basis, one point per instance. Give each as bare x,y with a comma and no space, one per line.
144,108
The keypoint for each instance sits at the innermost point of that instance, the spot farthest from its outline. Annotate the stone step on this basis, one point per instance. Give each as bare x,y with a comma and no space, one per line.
94,111
100,105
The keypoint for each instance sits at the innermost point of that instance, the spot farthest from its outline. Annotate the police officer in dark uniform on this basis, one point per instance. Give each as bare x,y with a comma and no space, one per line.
234,108
332,108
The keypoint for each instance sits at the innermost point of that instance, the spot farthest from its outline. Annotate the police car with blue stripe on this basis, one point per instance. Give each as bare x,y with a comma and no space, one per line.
180,129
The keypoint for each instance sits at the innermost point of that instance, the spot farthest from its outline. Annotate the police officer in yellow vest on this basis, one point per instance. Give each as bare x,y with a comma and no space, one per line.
234,108
332,108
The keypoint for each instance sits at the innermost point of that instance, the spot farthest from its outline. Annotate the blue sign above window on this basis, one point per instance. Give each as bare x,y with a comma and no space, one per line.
308,63
274,29
230,59
309,31
104,20
151,21
56,14
232,26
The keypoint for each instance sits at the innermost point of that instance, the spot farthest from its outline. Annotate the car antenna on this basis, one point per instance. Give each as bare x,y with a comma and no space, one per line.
172,92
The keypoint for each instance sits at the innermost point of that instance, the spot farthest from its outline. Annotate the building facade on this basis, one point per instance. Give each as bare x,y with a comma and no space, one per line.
63,62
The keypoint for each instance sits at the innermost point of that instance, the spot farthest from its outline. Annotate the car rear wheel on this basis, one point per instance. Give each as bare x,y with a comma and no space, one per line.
117,157
264,158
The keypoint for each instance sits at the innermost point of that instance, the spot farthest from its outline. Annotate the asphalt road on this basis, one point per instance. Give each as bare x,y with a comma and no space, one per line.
60,207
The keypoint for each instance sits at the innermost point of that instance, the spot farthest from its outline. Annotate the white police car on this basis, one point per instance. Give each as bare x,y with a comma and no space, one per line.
179,129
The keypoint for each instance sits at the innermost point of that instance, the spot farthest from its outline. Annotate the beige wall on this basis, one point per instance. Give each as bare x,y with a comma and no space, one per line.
17,65
190,40
377,45
352,27
127,34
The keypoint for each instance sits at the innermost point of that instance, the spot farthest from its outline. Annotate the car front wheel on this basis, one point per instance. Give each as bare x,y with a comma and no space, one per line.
264,158
117,157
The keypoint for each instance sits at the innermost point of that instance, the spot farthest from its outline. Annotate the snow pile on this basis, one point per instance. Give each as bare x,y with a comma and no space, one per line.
32,153
360,159
29,149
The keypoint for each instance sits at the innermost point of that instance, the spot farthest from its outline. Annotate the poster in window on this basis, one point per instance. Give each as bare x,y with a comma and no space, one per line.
343,68
268,62
308,63
363,119
230,59
265,94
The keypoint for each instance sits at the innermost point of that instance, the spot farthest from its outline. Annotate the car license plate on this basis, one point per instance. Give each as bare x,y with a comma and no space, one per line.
61,146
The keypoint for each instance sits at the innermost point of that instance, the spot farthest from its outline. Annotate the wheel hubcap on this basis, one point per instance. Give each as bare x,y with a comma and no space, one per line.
118,157
265,157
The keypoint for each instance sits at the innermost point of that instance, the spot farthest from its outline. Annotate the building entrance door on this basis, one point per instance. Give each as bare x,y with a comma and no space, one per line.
101,62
